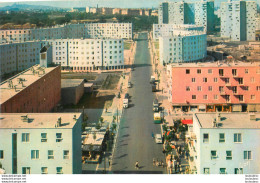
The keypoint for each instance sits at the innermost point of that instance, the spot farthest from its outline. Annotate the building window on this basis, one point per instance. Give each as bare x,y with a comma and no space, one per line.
215,97
205,137
44,137
35,154
50,154
237,137
193,97
210,71
25,137
234,72
59,170
247,155
66,154
228,155
187,88
240,81
257,88
246,71
58,137
193,80
198,71
206,171
199,88
252,79
187,71
205,80
26,170
205,97
215,80
252,97
44,170
213,154
210,88
221,137
1,154
221,72
240,98
222,171
238,170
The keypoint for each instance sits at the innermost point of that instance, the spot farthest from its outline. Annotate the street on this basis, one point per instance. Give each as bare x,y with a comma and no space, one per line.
135,142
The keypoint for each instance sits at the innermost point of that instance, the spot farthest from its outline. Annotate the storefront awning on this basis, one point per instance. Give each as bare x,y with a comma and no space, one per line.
236,108
187,121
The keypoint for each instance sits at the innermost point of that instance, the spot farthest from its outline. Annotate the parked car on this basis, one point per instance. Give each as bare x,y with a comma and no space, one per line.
126,96
129,85
158,139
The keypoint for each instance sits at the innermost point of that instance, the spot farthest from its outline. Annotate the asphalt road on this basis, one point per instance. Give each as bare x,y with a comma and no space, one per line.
135,142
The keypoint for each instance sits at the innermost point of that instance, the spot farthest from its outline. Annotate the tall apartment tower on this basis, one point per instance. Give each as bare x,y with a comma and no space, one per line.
238,20
200,13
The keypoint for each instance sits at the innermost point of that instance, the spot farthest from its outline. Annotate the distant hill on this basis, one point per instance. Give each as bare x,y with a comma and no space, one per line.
24,7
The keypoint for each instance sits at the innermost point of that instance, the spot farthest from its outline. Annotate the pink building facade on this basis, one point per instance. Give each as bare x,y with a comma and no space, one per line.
215,86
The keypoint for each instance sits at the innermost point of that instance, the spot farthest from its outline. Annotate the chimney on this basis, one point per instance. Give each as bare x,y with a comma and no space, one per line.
59,122
218,117
25,118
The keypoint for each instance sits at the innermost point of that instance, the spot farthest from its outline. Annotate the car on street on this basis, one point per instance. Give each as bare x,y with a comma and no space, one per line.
129,85
158,139
126,96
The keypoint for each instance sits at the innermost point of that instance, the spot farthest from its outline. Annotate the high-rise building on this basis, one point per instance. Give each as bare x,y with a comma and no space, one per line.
224,143
41,143
88,54
183,46
238,20
200,13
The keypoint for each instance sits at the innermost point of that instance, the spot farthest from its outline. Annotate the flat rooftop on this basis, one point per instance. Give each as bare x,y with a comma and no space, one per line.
37,120
19,82
229,120
66,83
217,64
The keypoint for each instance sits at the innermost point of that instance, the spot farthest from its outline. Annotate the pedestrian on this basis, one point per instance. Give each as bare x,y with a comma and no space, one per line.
175,166
152,135
157,162
153,161
137,165
162,163
187,170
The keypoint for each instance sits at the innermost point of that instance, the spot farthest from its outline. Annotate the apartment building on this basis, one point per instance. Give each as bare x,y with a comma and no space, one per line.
109,30
40,143
69,31
199,13
257,23
16,57
88,54
164,30
238,20
224,143
183,46
215,86
29,91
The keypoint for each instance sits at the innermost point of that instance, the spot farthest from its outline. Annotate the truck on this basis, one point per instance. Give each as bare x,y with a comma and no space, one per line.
125,103
155,105
153,87
152,80
157,118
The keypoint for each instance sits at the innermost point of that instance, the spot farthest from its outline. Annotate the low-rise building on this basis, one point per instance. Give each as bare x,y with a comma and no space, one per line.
232,86
225,143
36,89
71,91
41,143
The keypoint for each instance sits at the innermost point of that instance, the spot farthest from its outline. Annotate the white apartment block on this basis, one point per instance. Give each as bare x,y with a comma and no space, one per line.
185,46
238,20
69,31
199,13
88,54
225,143
16,57
109,30
40,143
162,30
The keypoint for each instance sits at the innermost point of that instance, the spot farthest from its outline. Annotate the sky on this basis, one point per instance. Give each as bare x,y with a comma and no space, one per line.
101,3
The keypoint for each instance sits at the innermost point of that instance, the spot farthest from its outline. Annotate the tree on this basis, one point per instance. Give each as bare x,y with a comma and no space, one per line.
101,120
98,126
